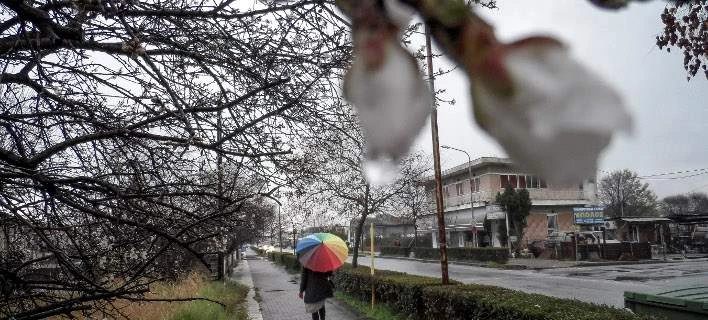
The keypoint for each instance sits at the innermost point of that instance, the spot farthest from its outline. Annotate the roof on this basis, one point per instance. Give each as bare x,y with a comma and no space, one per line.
689,219
644,219
475,164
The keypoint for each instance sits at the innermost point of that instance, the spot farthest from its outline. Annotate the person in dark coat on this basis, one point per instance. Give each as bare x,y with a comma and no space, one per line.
316,288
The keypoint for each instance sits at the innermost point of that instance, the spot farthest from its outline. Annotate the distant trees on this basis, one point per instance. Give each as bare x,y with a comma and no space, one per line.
624,195
517,205
684,204
414,202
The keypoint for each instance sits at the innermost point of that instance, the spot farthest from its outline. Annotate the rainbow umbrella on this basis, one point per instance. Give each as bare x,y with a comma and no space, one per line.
322,252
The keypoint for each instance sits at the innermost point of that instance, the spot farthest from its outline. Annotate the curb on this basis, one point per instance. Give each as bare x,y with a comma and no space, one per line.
242,274
523,267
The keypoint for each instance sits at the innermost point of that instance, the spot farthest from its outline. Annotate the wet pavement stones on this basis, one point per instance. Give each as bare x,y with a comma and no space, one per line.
278,291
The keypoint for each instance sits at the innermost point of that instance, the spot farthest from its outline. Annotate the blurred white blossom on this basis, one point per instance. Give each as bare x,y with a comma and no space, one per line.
557,116
386,88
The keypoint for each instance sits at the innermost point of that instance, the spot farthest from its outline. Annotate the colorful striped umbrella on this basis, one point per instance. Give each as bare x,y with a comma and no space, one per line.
322,252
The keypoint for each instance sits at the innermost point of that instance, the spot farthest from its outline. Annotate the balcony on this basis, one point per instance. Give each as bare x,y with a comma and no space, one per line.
538,197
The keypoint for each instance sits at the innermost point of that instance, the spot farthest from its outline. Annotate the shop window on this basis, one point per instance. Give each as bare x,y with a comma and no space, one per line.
552,223
513,181
522,182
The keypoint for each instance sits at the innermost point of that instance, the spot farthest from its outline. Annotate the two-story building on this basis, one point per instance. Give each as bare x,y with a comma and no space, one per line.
469,202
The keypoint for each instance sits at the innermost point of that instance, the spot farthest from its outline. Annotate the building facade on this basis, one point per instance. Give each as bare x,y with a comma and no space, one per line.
390,230
469,202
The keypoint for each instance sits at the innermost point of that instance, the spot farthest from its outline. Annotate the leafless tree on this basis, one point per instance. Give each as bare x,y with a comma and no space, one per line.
137,133
684,204
333,176
624,195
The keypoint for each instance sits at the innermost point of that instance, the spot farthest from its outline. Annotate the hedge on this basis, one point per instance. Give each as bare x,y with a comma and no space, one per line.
498,255
489,302
399,290
421,297
286,259
259,251
395,251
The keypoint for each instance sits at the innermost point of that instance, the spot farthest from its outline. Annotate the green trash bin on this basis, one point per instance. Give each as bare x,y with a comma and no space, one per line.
679,304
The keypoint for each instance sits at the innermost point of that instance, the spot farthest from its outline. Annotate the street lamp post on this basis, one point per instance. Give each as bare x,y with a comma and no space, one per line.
469,174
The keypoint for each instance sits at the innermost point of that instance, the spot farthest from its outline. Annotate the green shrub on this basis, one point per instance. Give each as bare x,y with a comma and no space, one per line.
395,251
401,291
419,297
259,251
498,255
488,302
286,259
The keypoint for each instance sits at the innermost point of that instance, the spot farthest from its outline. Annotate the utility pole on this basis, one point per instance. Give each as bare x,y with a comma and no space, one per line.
436,164
621,192
280,229
469,174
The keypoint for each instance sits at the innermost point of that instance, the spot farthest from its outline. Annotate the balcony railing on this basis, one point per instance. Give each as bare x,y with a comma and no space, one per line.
490,196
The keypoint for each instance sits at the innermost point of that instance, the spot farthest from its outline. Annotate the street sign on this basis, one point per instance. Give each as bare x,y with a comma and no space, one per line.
589,215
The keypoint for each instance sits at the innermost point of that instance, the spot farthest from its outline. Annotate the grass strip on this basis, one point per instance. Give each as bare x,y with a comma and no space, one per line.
379,312
232,294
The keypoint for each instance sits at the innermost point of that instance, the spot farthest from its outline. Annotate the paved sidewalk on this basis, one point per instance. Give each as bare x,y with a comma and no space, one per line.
278,291
242,274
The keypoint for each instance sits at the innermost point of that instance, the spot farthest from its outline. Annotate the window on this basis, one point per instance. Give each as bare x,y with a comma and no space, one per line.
552,223
459,189
446,191
474,185
504,180
521,181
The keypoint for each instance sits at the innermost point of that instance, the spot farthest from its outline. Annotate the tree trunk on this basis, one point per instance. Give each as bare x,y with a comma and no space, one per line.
415,231
357,239
360,227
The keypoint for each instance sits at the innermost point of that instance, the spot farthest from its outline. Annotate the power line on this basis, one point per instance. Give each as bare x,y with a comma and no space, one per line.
660,176
672,173
675,178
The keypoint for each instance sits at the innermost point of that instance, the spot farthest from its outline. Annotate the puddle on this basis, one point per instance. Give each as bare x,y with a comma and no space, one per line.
579,274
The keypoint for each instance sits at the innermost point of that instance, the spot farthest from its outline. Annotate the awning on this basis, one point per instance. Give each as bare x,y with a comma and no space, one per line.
645,220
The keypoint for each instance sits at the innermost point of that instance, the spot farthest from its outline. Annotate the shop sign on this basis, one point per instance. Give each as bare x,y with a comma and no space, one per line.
589,215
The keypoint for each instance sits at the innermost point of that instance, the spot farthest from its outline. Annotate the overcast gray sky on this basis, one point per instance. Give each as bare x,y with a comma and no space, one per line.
669,113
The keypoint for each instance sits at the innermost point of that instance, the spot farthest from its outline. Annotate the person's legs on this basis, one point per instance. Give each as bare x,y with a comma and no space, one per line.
322,313
315,316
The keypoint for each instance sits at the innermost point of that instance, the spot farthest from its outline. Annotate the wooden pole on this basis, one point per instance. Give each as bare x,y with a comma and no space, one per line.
436,164
373,289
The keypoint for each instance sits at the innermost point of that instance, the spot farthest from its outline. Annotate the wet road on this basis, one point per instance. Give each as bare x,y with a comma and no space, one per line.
601,285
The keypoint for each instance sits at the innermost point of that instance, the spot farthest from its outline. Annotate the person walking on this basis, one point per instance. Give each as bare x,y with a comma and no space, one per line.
315,288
